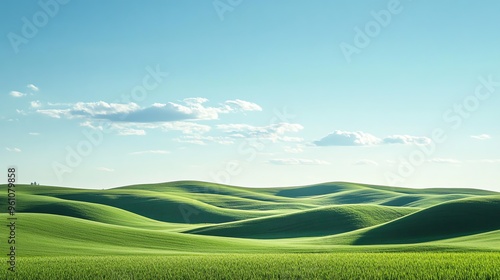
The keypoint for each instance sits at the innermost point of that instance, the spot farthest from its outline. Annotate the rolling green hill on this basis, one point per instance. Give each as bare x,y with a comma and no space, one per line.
45,234
316,222
165,207
84,210
198,217
451,219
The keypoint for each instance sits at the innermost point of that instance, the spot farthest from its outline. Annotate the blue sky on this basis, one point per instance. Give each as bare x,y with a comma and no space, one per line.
98,94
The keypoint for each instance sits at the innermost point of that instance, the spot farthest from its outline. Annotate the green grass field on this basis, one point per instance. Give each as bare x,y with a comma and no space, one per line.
457,266
197,230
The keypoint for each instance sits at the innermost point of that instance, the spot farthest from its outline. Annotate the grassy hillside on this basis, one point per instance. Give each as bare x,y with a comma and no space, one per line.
46,234
160,206
198,217
457,218
84,210
422,200
316,222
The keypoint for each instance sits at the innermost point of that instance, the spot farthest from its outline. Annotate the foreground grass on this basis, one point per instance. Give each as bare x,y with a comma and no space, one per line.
266,266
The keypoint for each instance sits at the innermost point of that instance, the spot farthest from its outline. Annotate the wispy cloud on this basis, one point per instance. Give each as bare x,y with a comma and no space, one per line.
32,87
105,169
294,149
445,161
273,132
36,104
17,94
298,161
13,150
242,105
364,162
53,113
188,128
359,138
481,137
125,129
203,139
152,152
131,131
34,133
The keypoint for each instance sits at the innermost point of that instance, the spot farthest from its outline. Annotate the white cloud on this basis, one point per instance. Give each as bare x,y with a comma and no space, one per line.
32,87
54,113
366,162
191,109
13,150
359,138
195,101
481,137
132,119
184,127
298,161
154,152
105,169
60,104
346,138
445,161
273,132
130,131
202,140
21,112
34,133
191,141
17,94
187,128
90,124
241,105
36,104
101,109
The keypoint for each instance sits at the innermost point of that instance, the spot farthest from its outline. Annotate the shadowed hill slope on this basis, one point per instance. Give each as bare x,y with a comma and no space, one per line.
85,210
166,207
451,219
335,187
317,222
